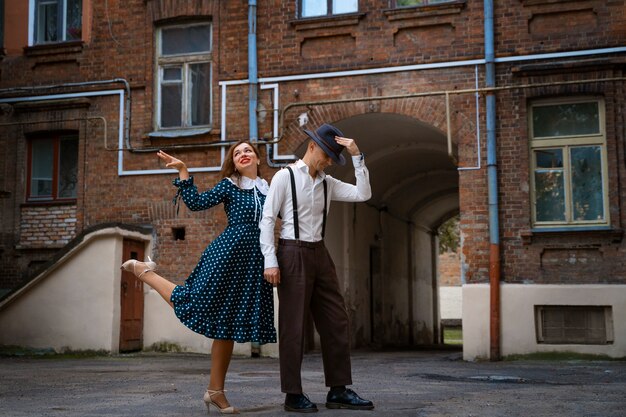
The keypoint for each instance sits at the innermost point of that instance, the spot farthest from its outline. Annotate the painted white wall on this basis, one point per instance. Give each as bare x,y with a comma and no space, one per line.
423,287
450,303
518,321
162,326
73,306
475,321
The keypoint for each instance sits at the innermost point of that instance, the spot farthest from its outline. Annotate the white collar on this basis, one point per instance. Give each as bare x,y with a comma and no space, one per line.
300,164
246,183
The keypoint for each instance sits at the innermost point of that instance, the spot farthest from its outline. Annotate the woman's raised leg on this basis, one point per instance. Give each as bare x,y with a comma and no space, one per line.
145,272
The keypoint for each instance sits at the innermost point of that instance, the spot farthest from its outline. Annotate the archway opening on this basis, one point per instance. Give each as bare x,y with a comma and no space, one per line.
386,250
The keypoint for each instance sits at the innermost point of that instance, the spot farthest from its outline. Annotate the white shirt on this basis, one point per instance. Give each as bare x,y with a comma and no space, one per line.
310,196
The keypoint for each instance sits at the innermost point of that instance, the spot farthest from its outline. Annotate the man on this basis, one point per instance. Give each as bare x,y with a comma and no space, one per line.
303,270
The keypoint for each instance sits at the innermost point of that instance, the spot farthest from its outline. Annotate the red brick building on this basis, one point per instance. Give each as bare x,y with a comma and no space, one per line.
90,90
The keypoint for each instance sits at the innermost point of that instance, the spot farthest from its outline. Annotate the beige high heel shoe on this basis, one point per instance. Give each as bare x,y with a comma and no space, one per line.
132,264
208,400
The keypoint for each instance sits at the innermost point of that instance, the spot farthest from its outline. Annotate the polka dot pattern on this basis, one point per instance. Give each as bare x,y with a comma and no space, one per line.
226,297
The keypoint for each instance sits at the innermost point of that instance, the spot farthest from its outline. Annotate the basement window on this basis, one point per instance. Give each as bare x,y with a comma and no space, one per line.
583,325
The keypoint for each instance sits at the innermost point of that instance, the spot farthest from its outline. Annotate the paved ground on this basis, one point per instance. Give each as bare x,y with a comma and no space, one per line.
416,383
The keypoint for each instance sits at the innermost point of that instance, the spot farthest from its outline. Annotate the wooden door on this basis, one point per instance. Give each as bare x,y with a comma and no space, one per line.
131,324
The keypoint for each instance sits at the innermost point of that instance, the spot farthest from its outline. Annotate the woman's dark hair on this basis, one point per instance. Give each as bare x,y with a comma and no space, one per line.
228,169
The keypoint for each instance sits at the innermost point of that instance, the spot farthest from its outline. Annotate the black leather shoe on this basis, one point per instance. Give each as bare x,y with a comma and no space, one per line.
347,399
299,403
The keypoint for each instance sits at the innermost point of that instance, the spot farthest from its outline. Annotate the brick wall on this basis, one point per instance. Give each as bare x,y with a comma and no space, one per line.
47,226
122,43
449,269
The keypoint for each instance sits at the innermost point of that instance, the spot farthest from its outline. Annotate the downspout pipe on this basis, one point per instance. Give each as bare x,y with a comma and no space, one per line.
492,178
252,72
252,103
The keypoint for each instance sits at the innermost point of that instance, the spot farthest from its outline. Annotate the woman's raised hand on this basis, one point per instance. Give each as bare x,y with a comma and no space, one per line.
171,162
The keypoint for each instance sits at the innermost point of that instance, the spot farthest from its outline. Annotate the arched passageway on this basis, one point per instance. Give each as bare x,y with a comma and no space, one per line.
385,250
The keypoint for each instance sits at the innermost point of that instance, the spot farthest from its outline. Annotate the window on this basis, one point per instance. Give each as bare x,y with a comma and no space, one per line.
574,324
569,175
316,8
184,76
412,3
57,20
53,168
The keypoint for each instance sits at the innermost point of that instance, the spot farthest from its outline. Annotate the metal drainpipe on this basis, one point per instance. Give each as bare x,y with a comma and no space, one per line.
252,71
252,105
492,176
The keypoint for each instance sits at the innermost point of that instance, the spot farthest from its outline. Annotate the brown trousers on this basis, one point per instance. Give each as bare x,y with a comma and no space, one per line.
308,282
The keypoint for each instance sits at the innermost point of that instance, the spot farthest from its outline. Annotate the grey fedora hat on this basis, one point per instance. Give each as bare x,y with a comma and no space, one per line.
324,136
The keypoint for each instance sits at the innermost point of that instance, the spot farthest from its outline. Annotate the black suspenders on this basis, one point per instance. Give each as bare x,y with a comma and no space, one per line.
294,202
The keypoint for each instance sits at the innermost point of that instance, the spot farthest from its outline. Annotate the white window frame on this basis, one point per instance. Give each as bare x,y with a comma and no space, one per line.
185,60
32,23
565,143
329,9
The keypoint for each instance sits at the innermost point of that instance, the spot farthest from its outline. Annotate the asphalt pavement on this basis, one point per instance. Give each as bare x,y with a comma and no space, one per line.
400,383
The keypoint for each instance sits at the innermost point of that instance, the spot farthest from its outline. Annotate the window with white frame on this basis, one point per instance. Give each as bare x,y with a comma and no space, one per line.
184,76
53,167
569,168
57,20
317,8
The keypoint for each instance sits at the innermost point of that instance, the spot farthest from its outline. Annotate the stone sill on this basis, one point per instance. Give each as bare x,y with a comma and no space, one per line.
57,48
613,234
180,133
428,10
67,202
326,22
540,2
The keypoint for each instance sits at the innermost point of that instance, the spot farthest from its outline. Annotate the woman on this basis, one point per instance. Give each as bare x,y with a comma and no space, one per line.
225,298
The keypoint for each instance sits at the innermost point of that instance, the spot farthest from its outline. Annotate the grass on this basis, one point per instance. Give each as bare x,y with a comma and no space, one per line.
452,336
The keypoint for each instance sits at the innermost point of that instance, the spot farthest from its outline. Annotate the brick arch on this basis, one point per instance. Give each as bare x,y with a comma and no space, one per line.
430,110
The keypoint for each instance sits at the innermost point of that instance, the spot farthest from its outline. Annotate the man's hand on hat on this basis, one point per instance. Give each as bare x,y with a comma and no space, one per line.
349,144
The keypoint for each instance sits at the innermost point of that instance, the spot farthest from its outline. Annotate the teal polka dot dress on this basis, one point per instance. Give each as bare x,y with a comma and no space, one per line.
226,296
